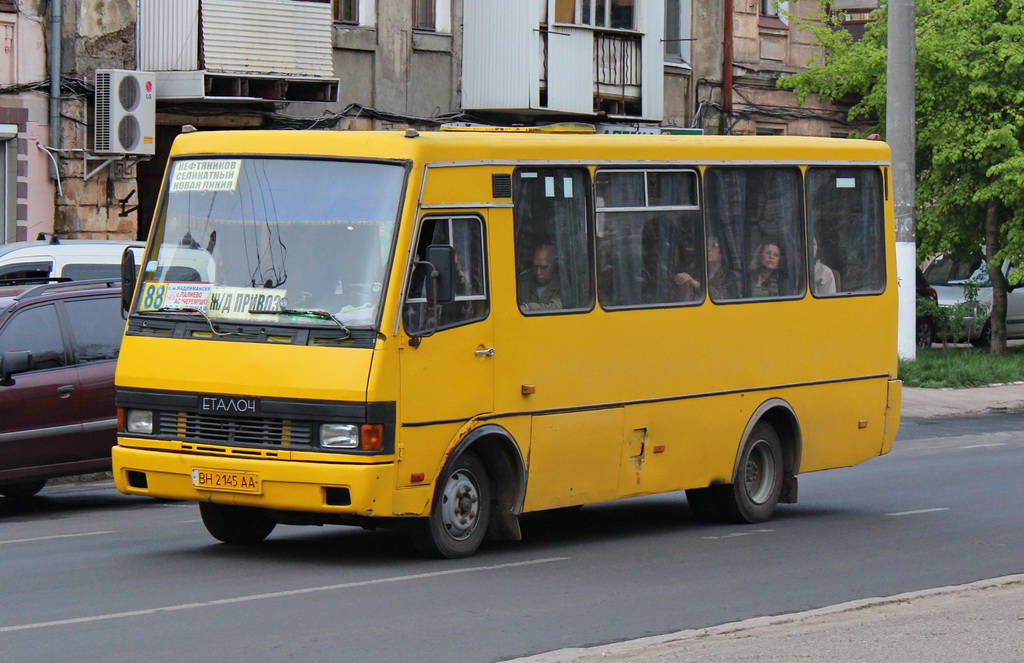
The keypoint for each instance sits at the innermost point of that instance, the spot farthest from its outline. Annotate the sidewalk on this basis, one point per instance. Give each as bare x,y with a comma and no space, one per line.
982,621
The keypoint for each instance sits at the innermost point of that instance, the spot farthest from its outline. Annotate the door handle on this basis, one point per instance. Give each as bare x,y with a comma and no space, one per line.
489,352
66,390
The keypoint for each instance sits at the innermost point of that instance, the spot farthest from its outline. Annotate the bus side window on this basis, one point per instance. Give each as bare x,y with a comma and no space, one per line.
757,215
465,234
649,238
553,240
846,222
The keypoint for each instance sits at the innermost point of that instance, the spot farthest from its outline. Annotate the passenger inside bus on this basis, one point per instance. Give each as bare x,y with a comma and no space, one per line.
826,281
723,282
539,288
764,269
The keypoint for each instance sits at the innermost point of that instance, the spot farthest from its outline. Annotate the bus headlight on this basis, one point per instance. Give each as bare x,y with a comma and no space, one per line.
339,436
139,422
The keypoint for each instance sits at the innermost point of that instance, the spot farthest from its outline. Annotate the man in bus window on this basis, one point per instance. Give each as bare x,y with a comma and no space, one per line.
539,287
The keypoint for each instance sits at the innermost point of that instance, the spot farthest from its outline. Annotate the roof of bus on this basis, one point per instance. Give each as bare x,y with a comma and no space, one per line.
496,146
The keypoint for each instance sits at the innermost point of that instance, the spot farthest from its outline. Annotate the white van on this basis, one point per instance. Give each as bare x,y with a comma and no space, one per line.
75,259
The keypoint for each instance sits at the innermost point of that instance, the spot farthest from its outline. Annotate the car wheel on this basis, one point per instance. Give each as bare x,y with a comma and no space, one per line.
703,504
984,338
462,507
925,333
754,493
23,489
237,525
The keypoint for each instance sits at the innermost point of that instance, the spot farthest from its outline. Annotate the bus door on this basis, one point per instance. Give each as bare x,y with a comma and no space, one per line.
447,372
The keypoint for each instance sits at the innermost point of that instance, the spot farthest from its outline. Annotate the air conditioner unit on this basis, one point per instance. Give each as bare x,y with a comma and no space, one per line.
125,112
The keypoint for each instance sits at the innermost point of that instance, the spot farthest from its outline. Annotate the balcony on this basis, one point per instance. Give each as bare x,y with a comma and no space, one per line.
224,50
517,62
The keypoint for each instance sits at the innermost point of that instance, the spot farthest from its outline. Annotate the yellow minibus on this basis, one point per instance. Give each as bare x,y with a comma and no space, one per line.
441,331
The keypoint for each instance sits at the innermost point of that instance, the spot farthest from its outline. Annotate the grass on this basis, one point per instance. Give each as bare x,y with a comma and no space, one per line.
960,367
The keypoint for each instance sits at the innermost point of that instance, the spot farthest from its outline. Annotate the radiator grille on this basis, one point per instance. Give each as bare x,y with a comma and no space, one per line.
227,430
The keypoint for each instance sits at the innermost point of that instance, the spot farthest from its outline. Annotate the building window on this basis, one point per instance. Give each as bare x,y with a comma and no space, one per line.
677,30
614,14
774,13
346,11
424,15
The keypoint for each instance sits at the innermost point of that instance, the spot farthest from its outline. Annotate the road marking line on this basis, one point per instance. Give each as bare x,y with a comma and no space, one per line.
914,513
982,446
735,534
274,595
55,536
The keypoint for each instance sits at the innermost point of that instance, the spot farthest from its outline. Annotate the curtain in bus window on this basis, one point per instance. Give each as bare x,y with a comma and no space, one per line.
847,227
649,239
552,239
756,214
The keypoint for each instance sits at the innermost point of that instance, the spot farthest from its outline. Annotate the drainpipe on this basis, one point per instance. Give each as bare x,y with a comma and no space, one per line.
727,58
55,53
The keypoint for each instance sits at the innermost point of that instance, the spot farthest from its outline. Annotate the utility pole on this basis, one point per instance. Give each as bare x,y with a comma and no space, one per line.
900,122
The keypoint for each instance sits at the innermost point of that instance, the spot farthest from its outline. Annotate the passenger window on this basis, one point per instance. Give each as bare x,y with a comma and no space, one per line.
649,238
96,326
36,330
465,234
26,270
755,217
83,271
554,254
847,230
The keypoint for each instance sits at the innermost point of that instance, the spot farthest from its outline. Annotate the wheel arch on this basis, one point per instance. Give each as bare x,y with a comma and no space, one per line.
496,448
782,416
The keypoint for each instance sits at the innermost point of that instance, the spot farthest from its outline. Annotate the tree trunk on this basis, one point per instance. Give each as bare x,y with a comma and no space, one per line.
997,316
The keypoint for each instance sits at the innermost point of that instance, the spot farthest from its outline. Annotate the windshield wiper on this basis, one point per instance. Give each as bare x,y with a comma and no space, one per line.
321,313
209,321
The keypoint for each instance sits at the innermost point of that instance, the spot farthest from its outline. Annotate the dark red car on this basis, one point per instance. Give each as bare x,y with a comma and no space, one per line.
58,349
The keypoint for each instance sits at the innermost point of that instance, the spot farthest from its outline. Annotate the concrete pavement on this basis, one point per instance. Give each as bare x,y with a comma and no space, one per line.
974,623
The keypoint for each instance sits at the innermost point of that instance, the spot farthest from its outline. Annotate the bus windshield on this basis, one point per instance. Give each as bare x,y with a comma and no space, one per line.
273,240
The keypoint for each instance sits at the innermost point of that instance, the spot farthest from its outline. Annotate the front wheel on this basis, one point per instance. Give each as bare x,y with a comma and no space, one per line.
754,493
237,525
462,507
23,489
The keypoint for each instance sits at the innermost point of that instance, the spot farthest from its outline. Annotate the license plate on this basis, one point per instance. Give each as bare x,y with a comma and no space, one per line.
238,482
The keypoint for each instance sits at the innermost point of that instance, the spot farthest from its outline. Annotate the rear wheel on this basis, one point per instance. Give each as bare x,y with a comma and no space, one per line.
238,525
754,492
23,489
925,333
462,507
984,337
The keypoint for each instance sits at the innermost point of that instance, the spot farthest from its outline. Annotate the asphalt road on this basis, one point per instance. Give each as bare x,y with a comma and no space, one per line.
88,574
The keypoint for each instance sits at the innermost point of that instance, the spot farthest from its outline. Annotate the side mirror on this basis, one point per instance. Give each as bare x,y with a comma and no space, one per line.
11,363
439,289
129,278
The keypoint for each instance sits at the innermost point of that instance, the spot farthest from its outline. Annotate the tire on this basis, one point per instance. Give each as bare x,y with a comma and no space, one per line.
703,504
461,511
925,333
23,489
984,338
237,525
754,493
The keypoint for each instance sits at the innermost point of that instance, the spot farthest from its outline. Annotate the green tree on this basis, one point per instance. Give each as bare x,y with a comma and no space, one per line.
970,121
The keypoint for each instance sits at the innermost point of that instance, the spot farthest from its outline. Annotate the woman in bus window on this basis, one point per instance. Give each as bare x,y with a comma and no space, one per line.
764,269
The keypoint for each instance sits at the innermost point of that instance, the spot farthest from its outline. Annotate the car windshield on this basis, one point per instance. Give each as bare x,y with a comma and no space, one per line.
946,270
264,239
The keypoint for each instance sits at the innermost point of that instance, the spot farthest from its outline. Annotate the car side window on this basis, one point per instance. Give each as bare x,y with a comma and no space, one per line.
27,270
36,330
96,326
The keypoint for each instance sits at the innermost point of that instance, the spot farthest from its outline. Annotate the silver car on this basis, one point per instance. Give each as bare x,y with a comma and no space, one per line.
948,276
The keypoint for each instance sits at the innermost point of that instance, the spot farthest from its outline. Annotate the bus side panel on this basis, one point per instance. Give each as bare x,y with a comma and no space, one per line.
573,459
842,424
